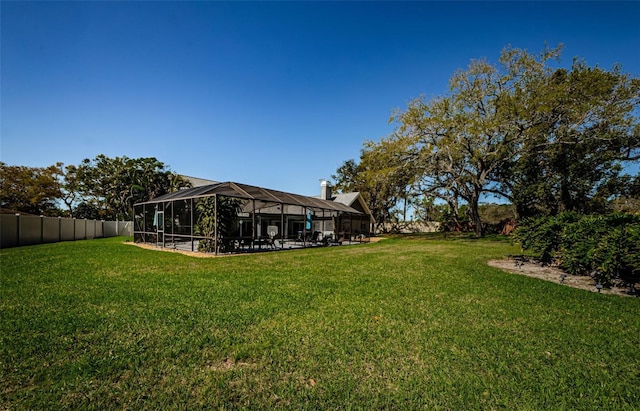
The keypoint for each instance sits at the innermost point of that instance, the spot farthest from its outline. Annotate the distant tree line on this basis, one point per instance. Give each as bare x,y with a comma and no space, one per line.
102,188
544,139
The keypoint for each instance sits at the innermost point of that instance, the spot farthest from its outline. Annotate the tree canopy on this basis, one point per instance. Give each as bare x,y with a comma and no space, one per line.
382,175
572,157
546,139
104,187
32,190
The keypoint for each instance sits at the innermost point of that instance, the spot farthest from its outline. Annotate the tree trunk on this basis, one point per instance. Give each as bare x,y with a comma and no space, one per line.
404,216
475,217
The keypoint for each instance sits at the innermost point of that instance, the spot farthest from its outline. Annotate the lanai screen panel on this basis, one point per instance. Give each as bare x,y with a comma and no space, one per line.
182,218
138,222
259,212
150,223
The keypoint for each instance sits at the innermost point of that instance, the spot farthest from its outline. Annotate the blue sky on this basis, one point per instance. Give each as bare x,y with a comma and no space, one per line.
275,94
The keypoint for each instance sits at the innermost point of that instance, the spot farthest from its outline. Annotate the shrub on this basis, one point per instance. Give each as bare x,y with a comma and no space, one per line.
542,235
576,241
605,246
617,255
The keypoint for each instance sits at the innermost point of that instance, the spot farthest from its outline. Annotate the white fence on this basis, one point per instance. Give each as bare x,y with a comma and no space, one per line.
17,230
412,227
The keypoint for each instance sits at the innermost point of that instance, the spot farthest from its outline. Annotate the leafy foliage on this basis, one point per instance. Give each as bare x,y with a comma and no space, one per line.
546,139
102,188
113,185
462,139
223,216
605,246
585,128
382,176
617,255
542,235
32,190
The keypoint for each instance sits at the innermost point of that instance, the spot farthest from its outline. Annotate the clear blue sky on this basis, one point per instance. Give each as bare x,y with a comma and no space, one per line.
275,94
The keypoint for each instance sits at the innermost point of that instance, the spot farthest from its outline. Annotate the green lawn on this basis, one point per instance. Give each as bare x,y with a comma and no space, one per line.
402,324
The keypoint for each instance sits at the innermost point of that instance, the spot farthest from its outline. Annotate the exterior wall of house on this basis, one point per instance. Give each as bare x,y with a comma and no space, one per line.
325,190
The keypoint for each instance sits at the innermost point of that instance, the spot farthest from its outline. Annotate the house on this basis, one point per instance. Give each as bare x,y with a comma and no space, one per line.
198,182
232,217
352,199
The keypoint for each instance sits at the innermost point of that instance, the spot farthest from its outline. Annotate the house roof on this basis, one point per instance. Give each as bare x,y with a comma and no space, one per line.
238,190
198,182
351,198
346,198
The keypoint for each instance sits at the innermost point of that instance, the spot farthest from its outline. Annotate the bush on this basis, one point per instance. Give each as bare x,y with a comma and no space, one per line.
617,255
542,235
576,241
605,246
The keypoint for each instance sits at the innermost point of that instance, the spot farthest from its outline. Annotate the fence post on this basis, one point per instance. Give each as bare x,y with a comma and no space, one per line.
41,229
17,229
59,228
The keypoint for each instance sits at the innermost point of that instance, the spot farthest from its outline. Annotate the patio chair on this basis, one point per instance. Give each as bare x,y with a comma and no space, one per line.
271,242
330,240
314,237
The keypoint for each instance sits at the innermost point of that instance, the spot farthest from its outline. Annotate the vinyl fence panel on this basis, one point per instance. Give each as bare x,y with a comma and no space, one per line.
110,229
99,229
118,228
19,230
50,229
8,230
90,229
80,229
67,229
30,230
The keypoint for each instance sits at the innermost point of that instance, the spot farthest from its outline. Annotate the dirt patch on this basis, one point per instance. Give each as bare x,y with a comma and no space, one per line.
171,250
553,274
228,364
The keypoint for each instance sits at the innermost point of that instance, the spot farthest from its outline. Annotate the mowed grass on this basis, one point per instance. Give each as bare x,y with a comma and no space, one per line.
413,323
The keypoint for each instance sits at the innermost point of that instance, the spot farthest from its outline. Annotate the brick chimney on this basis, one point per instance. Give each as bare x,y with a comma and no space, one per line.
325,190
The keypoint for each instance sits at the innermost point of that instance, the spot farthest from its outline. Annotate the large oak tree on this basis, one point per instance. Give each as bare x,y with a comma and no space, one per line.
547,139
464,138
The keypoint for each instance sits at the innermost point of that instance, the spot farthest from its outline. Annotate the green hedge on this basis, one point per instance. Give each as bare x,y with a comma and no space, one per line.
604,246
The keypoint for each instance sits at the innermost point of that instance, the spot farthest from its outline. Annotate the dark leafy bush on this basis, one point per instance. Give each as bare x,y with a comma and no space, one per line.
605,246
577,240
542,235
617,255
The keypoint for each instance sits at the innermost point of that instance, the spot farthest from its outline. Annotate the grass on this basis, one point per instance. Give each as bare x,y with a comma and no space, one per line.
407,323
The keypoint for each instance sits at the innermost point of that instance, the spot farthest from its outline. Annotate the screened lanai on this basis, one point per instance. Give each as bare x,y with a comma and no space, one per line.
232,217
